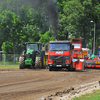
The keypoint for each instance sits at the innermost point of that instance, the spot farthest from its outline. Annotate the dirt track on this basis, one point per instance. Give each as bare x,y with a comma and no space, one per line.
29,84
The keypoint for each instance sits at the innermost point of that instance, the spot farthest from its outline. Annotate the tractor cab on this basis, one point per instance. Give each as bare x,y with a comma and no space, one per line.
35,46
32,47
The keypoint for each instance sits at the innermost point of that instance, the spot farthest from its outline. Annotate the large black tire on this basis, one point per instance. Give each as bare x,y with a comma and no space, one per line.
74,69
70,68
21,62
55,69
38,62
50,68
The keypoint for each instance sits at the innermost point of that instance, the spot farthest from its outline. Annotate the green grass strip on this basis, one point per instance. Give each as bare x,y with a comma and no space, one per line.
89,96
9,66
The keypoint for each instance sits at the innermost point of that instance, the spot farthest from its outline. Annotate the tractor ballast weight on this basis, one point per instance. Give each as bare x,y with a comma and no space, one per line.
33,56
91,61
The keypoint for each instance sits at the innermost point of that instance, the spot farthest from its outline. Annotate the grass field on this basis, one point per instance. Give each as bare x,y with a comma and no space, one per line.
8,63
9,66
92,96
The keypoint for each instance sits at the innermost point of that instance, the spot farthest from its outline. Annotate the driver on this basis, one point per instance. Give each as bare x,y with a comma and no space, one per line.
29,47
36,47
32,47
53,47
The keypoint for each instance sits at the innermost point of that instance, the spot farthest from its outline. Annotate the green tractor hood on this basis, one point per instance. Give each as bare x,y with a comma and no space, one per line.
28,60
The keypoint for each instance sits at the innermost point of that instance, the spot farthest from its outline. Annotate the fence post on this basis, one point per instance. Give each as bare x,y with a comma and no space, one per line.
14,59
4,59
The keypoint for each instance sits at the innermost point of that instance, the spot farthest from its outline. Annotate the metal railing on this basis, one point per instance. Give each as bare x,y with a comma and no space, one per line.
9,59
12,59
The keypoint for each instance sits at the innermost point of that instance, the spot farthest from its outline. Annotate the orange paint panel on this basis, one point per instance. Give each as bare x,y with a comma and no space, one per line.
73,64
98,66
79,65
79,55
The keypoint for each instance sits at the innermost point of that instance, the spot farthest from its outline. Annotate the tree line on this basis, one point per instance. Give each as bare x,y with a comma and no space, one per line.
30,21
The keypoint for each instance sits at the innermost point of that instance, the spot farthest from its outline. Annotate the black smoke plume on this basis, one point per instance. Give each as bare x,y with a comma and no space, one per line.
51,10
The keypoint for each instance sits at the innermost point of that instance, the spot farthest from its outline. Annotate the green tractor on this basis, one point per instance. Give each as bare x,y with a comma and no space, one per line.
33,56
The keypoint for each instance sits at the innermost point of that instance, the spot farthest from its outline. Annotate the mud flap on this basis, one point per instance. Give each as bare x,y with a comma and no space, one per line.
83,66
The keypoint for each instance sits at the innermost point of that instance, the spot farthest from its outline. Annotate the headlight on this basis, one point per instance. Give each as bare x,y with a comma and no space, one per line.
29,55
82,60
66,57
50,62
74,60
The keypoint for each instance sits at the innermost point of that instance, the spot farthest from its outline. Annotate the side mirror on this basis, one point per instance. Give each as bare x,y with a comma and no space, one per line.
25,47
72,47
46,47
42,45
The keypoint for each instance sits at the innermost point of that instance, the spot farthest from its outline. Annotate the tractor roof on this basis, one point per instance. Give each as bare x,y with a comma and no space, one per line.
32,43
60,41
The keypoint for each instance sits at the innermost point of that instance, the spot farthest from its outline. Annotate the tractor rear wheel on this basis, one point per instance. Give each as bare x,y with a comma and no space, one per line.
38,62
21,62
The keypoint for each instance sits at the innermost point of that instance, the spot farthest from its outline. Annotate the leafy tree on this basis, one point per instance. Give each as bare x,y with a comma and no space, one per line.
48,36
75,19
23,28
9,23
7,47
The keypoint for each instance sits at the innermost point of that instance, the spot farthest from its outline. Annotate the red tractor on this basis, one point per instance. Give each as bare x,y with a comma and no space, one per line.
78,61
